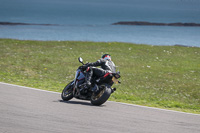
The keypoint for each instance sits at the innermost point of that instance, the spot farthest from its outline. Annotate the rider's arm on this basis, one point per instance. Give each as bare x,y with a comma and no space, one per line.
97,63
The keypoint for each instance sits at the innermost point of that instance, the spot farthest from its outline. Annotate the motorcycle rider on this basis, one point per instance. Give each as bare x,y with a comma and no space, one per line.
107,66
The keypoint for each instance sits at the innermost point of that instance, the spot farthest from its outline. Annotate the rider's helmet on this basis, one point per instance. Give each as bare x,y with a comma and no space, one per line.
106,56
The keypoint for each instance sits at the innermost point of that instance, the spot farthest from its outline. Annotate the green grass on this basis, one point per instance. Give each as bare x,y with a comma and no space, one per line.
158,76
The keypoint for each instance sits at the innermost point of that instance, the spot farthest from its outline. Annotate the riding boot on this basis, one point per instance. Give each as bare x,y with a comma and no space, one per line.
88,77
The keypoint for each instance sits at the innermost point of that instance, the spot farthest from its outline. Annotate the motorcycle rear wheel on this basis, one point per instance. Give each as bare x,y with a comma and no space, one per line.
102,97
67,93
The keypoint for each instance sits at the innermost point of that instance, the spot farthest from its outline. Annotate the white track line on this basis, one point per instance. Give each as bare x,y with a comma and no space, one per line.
29,88
107,101
156,108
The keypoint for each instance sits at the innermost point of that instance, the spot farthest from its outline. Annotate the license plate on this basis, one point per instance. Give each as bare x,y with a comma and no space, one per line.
114,80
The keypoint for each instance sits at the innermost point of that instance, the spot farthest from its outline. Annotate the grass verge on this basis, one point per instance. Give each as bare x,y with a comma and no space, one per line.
157,76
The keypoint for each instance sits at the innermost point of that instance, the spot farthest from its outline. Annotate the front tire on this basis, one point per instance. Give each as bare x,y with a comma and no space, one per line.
67,93
102,97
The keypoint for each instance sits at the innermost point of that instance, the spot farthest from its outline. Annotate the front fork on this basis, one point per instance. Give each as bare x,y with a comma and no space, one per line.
76,91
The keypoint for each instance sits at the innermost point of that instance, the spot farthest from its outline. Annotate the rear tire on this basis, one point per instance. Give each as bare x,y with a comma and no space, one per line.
67,93
102,97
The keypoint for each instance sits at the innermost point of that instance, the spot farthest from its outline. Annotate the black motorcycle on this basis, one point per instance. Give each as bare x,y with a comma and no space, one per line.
98,93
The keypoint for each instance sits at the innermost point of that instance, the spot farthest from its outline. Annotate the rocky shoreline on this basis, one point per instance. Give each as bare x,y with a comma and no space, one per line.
11,23
154,24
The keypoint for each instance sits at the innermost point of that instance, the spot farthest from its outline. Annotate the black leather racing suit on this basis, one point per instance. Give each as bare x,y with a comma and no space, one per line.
107,66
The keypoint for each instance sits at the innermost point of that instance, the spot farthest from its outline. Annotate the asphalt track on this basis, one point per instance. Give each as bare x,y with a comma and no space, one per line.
28,110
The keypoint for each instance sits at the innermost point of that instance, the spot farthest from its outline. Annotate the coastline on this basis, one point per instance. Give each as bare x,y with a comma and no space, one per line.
150,35
154,23
117,23
177,45
16,23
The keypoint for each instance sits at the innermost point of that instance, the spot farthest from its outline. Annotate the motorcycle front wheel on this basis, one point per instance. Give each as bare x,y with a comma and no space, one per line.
67,93
102,97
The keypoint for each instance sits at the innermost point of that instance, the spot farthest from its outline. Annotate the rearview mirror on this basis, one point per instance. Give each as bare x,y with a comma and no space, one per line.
80,60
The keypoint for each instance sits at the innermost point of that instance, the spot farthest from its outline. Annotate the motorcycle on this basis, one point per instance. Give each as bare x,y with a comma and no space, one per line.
98,93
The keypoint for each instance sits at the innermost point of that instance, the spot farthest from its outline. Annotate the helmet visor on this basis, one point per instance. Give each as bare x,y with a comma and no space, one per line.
107,57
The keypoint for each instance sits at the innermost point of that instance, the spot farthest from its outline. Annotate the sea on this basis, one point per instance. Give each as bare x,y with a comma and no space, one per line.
91,20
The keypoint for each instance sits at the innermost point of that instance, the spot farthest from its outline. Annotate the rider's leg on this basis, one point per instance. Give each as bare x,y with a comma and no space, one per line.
98,72
88,77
